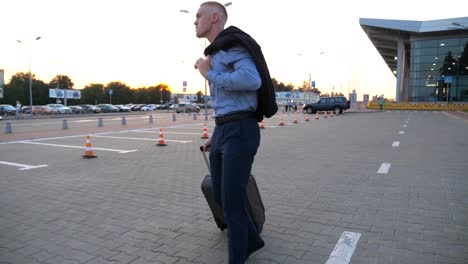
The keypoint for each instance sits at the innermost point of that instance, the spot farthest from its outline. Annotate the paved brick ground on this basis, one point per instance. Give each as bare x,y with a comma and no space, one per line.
318,179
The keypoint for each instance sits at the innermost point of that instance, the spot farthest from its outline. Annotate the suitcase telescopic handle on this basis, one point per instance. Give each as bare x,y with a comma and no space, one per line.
202,149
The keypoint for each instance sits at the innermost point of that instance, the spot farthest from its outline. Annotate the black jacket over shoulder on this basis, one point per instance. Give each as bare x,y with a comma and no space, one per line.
233,36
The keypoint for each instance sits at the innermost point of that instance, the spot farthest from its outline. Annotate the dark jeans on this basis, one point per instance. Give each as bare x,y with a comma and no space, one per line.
233,147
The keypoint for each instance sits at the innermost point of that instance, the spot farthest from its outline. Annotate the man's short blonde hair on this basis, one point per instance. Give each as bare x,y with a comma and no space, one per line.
218,7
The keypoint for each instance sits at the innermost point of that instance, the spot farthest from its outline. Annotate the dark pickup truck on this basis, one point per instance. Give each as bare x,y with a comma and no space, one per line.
337,104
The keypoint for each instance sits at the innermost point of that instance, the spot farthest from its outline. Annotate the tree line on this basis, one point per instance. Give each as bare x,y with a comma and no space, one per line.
17,89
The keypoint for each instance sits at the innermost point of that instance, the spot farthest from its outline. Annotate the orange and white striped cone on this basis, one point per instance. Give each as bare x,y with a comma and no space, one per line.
316,116
295,119
161,139
281,121
307,117
331,113
205,132
324,114
88,149
261,126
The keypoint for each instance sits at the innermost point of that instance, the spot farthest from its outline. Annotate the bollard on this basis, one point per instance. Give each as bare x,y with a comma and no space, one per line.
100,123
194,116
8,128
64,124
124,122
151,119
173,117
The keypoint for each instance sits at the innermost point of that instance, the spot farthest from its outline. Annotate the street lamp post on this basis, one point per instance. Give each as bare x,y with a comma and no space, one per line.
161,95
206,82
30,77
310,75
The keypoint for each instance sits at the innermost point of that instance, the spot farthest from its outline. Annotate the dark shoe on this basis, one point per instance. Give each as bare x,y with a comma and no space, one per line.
257,246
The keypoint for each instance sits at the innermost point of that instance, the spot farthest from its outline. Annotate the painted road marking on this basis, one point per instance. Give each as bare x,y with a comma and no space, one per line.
71,146
396,144
405,126
102,133
401,132
168,132
150,139
344,248
23,166
384,168
84,121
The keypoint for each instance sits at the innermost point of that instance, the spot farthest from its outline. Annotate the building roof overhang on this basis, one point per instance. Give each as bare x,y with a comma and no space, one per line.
384,33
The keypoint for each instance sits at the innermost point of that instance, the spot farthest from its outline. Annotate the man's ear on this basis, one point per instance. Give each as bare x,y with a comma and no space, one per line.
215,18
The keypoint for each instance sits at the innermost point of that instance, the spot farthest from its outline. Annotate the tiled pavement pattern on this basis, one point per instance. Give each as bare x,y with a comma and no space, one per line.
317,179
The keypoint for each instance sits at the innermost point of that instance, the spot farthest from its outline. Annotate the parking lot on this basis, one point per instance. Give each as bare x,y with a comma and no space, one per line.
393,182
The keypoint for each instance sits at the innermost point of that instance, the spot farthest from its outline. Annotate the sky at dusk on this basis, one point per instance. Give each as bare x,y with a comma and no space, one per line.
145,42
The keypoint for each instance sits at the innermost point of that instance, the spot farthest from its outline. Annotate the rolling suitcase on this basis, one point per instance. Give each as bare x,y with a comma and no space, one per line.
253,201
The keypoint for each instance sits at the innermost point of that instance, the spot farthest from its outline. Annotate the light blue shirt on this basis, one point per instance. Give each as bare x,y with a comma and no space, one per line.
234,81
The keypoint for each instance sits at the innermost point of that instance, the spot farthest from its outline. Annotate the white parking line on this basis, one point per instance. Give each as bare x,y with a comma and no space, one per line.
70,146
149,139
405,126
168,132
84,121
396,144
23,166
344,248
401,132
384,168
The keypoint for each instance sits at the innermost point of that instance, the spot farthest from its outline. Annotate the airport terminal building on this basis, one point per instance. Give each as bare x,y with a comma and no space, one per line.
428,58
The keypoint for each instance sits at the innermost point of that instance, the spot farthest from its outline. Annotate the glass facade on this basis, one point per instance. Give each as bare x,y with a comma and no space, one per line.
438,68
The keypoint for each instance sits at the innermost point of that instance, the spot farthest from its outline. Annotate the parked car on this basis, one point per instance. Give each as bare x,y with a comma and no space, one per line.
107,108
187,108
123,108
26,109
87,108
43,110
77,109
60,108
6,109
164,106
137,107
337,104
148,107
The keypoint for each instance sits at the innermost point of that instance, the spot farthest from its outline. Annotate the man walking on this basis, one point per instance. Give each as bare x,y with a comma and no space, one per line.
18,109
234,80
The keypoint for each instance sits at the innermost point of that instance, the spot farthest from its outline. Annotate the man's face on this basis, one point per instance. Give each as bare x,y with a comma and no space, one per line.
203,22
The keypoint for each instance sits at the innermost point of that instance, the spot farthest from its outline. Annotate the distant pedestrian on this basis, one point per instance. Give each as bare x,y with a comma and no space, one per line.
18,109
294,106
381,100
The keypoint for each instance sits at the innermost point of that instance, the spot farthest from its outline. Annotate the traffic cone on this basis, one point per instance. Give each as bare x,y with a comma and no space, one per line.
281,121
325,114
295,119
161,138
331,113
261,125
307,117
88,149
316,116
205,132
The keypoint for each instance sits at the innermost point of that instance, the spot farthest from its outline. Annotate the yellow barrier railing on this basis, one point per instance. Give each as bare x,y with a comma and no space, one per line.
419,106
